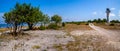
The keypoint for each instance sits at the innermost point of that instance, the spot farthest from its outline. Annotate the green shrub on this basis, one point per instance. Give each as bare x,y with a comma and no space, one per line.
36,47
78,23
53,26
86,24
42,27
111,24
63,24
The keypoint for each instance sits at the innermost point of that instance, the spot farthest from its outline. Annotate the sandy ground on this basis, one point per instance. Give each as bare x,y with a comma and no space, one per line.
46,40
112,37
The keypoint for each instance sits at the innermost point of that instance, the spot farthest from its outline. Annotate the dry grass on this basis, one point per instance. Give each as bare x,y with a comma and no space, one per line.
103,25
36,47
8,37
71,27
3,29
58,47
85,42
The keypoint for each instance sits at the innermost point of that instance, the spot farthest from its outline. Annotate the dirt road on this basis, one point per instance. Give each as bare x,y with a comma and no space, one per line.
111,35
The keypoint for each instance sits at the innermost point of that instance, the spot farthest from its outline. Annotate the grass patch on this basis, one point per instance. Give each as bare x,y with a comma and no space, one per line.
71,27
58,47
84,42
36,47
109,27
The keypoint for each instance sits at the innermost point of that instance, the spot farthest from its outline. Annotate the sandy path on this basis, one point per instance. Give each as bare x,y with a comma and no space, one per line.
111,35
110,38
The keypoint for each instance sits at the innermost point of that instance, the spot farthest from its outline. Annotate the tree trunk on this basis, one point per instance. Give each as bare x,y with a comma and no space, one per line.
15,29
30,25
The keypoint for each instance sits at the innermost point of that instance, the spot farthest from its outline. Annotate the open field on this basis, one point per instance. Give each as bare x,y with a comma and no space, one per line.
3,29
71,38
114,27
72,27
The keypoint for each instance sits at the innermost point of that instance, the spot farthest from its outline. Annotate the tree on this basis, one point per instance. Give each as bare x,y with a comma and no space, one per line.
89,21
30,15
23,13
57,19
114,21
13,18
107,14
34,16
104,20
99,20
95,20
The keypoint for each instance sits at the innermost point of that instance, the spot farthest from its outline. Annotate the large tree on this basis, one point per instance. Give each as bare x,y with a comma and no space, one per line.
31,14
107,14
23,13
13,18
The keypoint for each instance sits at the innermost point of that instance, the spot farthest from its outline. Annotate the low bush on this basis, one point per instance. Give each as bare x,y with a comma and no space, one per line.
53,26
111,24
86,24
63,24
36,47
42,27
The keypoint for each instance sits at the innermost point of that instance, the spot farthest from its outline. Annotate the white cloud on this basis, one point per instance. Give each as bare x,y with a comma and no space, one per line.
112,8
94,13
112,15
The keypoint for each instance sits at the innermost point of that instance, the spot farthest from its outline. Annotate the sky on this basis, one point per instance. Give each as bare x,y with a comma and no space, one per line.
69,10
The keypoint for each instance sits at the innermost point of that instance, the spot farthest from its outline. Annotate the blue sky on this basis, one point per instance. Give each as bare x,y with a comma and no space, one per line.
70,10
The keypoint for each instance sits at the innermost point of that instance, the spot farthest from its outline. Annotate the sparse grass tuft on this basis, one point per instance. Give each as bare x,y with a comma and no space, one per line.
71,27
58,47
85,42
36,47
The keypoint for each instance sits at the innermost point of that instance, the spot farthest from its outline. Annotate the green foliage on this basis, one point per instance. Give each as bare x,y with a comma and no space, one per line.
53,26
42,27
111,24
31,14
36,47
45,20
115,21
89,21
104,20
63,24
56,19
14,17
25,13
99,20
77,23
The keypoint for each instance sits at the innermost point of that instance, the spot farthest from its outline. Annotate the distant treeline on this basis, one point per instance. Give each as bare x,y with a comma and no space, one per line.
103,21
93,21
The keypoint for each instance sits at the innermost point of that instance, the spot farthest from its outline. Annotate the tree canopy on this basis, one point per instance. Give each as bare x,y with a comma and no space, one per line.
56,19
23,13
